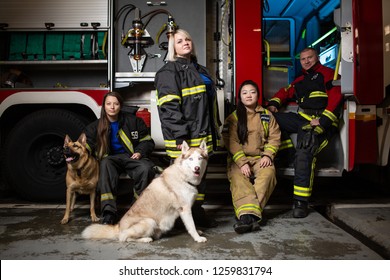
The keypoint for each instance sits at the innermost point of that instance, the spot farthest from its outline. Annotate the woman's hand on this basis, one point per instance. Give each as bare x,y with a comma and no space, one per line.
136,156
246,170
265,161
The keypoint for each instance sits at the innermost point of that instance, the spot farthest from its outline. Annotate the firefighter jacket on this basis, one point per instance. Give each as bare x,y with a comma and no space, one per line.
188,110
133,135
263,136
313,90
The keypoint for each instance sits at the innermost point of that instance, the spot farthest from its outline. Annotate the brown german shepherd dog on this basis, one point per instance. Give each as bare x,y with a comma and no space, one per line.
82,175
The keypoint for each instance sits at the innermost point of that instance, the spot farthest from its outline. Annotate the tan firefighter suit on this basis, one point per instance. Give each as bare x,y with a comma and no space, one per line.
263,140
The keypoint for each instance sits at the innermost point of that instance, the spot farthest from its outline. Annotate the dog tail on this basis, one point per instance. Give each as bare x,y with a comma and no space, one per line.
97,231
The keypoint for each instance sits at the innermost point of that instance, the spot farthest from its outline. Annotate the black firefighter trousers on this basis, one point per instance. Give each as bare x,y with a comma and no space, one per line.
304,159
111,167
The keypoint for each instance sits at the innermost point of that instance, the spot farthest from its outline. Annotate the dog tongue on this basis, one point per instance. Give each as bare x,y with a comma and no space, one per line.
69,159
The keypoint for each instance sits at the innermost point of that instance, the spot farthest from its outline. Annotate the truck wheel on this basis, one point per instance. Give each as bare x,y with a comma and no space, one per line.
33,159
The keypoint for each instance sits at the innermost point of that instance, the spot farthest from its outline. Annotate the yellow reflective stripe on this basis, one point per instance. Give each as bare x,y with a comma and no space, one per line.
196,141
286,144
318,129
200,197
313,166
235,115
238,155
126,140
106,196
170,143
306,116
265,125
168,98
136,196
171,146
322,145
146,138
173,154
247,208
193,90
276,100
318,94
271,148
307,127
329,115
302,191
191,142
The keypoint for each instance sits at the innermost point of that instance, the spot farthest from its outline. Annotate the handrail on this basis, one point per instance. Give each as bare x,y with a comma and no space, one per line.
336,71
267,47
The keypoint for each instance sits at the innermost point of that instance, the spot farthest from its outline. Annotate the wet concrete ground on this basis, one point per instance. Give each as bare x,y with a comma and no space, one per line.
345,223
32,233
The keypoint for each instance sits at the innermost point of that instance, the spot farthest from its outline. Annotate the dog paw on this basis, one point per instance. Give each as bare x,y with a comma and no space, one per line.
94,219
201,239
145,240
64,221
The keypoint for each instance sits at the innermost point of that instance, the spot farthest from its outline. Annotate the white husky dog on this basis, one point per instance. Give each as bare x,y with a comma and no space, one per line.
168,196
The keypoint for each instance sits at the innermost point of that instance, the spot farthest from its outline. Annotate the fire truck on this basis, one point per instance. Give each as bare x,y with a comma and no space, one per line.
58,58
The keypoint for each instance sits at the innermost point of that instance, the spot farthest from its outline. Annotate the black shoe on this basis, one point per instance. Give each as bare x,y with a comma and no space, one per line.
300,209
240,227
109,218
247,223
255,223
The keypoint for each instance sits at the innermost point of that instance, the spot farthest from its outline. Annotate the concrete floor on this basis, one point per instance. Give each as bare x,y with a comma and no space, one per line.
34,232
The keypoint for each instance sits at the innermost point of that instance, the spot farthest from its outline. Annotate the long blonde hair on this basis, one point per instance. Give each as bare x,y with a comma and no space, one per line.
102,140
171,55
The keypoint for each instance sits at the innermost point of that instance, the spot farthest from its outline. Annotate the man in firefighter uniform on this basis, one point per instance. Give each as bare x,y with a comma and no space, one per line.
315,122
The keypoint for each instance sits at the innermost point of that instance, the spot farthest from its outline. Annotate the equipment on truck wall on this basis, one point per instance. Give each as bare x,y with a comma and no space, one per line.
137,38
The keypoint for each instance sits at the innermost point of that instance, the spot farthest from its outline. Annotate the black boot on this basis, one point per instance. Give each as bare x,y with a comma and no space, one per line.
247,223
255,223
200,217
109,218
300,209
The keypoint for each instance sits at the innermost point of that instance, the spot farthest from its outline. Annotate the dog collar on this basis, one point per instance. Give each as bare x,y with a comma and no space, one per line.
192,184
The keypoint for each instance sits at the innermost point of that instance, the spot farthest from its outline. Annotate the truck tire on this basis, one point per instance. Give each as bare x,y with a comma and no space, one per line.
33,162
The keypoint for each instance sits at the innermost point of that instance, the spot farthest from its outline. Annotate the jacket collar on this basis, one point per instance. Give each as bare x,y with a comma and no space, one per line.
259,109
312,69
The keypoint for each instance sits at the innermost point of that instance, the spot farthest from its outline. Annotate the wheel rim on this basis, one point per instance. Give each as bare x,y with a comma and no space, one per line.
46,160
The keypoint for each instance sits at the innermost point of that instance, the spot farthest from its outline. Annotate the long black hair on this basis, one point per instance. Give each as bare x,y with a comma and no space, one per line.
242,126
102,141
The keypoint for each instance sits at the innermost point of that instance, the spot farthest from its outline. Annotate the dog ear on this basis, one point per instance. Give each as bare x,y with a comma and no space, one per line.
82,139
184,147
203,146
67,139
